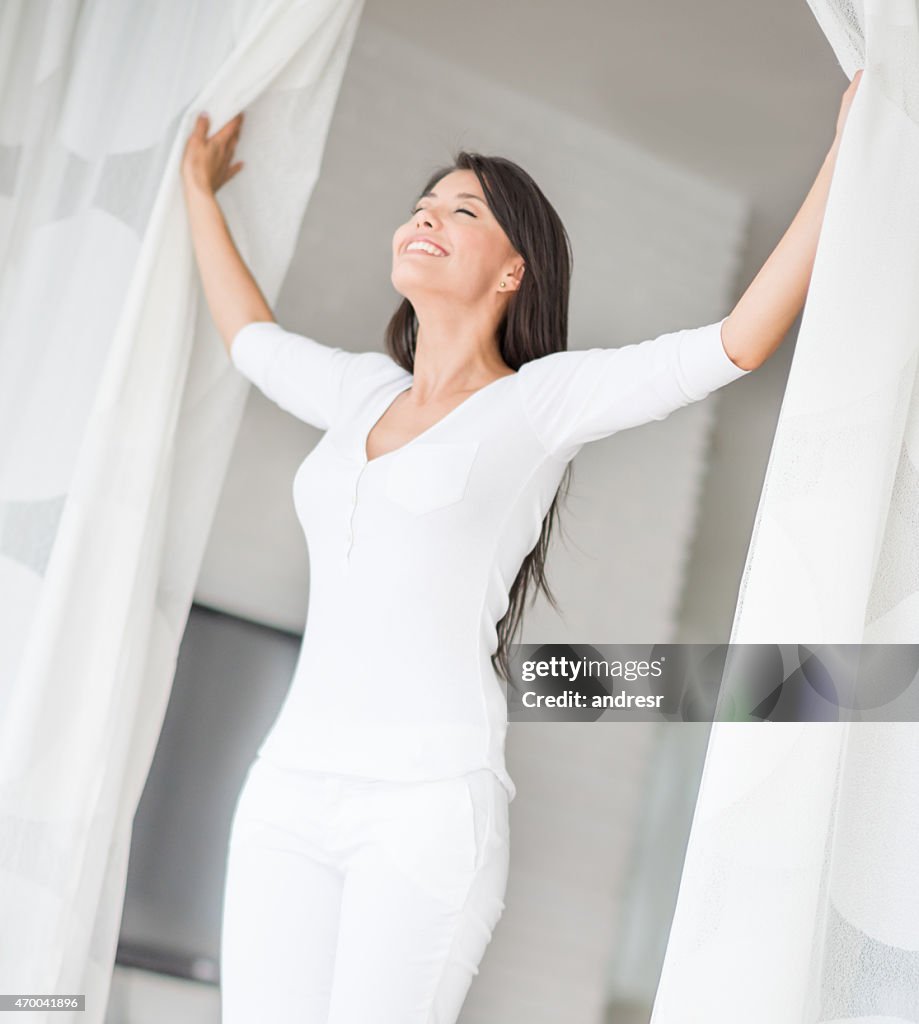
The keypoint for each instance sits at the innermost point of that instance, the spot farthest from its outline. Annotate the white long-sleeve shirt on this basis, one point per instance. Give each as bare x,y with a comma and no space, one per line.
413,553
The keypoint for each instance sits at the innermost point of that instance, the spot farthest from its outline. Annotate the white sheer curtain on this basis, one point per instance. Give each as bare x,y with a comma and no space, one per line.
799,899
118,410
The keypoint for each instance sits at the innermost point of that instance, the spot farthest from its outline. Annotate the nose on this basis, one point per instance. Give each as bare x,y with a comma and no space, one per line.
425,217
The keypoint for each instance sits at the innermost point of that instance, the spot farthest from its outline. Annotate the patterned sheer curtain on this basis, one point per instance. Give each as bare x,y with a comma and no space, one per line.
799,899
118,410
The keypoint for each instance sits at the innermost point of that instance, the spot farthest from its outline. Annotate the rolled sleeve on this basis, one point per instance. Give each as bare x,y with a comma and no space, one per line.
297,373
575,397
704,361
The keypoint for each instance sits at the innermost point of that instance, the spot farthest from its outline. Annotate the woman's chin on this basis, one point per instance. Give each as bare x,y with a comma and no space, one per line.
416,284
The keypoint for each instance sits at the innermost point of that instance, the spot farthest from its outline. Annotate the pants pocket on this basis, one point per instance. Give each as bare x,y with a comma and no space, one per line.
429,832
481,811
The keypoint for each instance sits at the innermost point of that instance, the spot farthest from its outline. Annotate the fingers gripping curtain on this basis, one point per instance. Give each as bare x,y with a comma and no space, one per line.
799,895
118,411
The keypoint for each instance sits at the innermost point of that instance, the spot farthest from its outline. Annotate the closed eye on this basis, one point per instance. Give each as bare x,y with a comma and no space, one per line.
460,210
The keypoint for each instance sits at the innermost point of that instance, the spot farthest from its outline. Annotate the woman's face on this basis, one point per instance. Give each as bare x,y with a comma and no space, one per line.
473,251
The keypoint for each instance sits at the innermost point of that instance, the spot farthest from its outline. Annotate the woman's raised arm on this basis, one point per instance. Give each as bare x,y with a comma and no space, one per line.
232,294
767,309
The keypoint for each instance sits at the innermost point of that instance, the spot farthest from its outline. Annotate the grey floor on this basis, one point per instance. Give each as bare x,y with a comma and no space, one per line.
142,997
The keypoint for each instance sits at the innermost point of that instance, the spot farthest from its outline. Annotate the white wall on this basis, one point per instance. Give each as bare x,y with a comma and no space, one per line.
655,249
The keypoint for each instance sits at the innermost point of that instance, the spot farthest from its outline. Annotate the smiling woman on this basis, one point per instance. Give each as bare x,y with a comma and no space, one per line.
427,508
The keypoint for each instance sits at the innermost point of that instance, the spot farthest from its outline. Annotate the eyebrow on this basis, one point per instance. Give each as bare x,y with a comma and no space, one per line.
459,195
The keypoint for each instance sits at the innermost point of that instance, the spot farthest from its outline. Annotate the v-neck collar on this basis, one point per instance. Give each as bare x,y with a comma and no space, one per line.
404,384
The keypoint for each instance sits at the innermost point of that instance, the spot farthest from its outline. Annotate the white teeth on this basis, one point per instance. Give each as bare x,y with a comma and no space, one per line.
425,247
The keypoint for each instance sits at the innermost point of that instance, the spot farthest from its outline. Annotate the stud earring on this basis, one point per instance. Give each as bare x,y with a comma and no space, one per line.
502,284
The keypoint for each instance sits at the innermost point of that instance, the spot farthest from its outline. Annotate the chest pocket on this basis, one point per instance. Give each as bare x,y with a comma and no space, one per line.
425,477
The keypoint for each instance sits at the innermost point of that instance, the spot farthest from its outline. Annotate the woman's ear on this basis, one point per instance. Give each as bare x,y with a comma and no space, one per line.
515,275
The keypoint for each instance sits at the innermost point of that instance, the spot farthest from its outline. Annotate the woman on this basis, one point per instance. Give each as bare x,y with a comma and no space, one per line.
369,852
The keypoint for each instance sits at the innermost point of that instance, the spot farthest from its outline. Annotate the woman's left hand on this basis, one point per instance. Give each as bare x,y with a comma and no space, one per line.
847,97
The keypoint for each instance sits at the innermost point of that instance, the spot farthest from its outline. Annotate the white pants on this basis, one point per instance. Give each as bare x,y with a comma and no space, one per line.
359,901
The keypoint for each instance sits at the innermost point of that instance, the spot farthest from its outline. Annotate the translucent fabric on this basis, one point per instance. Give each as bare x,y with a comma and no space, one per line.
799,895
118,411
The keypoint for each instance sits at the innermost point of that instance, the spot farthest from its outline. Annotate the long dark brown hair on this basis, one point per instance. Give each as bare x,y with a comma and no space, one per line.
534,324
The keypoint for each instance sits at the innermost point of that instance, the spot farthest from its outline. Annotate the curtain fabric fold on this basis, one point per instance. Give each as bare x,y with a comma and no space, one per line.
799,894
119,410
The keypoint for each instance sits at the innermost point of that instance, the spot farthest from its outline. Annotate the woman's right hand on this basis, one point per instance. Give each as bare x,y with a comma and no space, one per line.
206,163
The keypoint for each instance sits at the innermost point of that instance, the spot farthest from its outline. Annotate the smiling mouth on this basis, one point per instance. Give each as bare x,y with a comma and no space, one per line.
427,248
